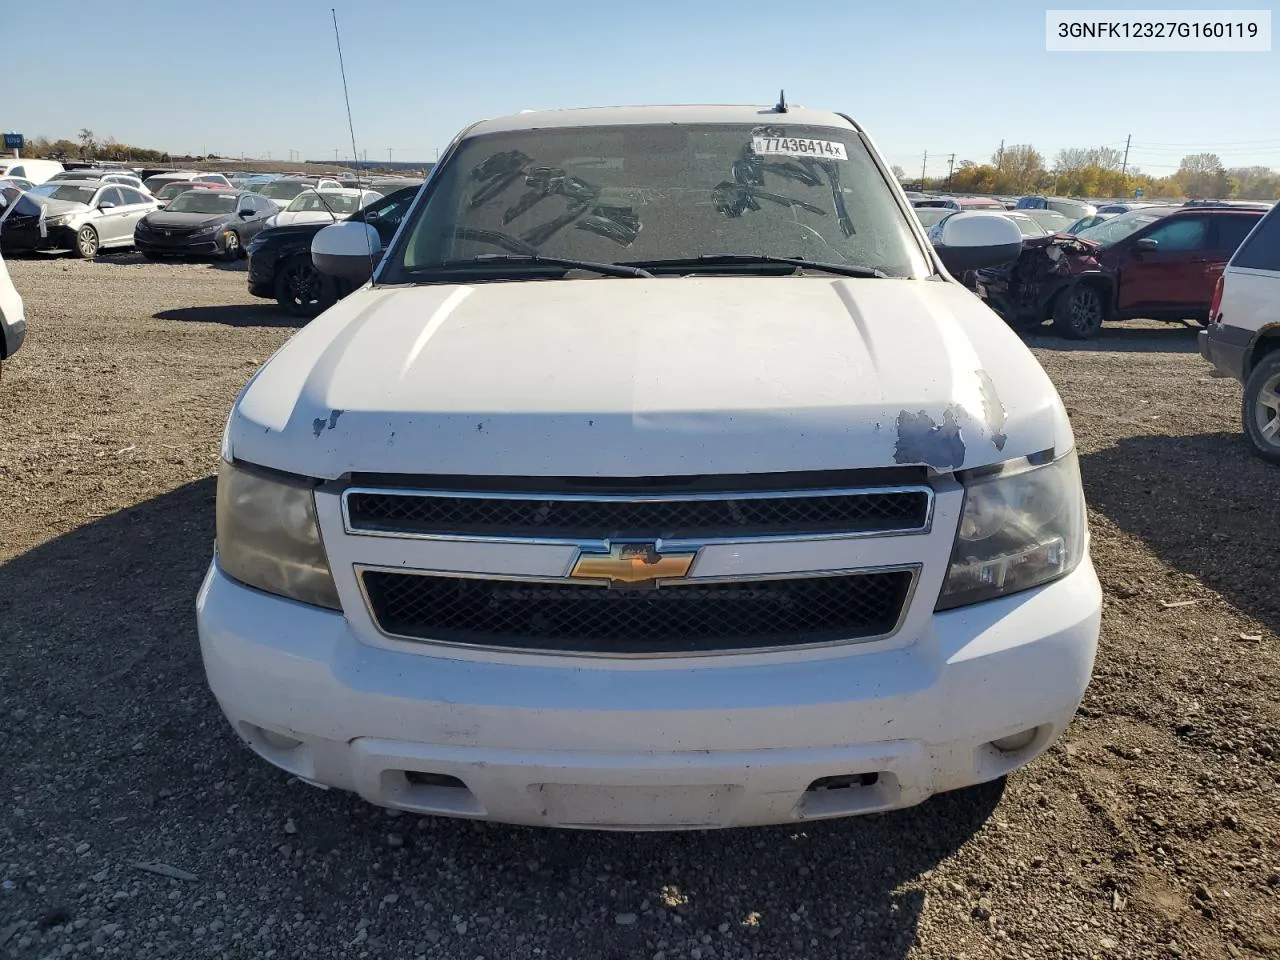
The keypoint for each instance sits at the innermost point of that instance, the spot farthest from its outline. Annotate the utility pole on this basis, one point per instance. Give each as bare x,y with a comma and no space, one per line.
1000,154
1124,168
388,156
951,165
335,154
924,165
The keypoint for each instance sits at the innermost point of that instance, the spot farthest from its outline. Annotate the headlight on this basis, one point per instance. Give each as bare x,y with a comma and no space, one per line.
271,221
269,538
1021,527
59,221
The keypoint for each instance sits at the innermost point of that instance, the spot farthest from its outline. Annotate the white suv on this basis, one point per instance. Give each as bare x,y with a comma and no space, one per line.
661,478
1243,337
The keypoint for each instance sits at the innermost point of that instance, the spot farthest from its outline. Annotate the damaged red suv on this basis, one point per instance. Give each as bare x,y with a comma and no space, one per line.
1157,263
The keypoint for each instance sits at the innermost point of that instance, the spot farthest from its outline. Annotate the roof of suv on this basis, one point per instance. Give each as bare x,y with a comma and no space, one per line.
689,113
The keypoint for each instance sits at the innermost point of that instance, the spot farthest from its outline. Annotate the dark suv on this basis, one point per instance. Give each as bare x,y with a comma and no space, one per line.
280,266
1158,263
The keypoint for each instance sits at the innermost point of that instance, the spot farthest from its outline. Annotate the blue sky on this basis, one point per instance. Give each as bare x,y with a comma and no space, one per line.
262,77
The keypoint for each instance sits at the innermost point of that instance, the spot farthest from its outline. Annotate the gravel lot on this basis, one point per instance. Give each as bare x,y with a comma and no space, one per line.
1151,830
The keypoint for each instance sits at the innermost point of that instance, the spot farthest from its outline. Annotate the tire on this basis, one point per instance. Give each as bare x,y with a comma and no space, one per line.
1260,410
231,249
87,243
302,290
150,256
1078,312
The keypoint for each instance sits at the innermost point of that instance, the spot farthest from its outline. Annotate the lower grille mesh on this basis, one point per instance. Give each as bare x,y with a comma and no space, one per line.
673,619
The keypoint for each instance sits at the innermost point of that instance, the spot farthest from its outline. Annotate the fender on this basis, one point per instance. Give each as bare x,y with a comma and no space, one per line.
1095,277
1257,347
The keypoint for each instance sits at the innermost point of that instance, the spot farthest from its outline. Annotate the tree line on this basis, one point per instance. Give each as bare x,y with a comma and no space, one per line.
88,146
1101,172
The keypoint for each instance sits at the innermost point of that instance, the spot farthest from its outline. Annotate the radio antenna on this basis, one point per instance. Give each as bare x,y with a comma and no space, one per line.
351,127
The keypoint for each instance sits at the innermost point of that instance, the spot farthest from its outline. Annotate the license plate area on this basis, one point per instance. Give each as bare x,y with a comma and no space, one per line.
635,807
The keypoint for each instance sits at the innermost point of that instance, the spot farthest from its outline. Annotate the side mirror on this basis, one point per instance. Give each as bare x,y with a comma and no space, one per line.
971,241
1146,245
106,205
245,213
349,249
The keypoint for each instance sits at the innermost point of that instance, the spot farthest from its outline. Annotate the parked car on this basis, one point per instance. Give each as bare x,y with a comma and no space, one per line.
1072,209
280,266
37,171
13,320
175,188
1243,336
928,216
217,178
1051,220
556,523
1158,263
960,203
1084,223
156,182
285,189
82,216
388,185
329,206
217,222
1124,206
104,174
17,183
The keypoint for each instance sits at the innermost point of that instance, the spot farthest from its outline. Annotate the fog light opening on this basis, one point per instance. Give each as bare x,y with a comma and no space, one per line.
844,781
1016,741
420,778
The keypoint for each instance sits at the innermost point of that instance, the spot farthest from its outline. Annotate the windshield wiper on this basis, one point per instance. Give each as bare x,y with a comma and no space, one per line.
841,269
595,266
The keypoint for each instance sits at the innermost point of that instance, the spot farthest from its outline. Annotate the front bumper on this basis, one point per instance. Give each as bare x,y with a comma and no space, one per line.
199,245
19,238
261,272
655,744
1226,347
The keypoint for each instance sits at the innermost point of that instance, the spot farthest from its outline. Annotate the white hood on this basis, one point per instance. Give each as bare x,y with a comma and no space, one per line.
622,377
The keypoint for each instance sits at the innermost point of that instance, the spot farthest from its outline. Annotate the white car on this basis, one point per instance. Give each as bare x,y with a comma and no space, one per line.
1243,336
284,190
662,478
13,319
37,171
328,206
83,216
212,178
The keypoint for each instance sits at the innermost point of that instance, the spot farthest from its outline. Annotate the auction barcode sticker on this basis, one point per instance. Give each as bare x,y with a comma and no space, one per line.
799,147
1158,31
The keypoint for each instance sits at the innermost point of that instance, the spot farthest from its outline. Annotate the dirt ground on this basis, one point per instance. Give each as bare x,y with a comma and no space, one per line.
1151,830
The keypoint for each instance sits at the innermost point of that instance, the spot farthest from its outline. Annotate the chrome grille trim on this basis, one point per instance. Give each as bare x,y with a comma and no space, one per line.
601,544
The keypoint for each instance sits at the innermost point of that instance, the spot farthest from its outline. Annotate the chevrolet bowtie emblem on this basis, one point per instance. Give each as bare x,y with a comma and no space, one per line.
632,563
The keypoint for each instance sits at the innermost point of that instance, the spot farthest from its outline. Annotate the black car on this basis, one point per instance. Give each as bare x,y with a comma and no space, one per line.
203,223
280,266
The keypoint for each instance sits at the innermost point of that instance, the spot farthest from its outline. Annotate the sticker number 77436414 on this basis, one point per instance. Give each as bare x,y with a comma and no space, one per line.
799,147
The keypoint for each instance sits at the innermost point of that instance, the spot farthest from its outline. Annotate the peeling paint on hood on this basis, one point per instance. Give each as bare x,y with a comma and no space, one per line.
673,376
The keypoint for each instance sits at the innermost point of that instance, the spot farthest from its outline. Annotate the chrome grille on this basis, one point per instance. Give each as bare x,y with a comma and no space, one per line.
673,619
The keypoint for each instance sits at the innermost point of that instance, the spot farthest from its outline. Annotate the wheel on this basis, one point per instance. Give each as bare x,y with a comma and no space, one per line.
86,245
302,290
1260,410
1078,312
231,249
